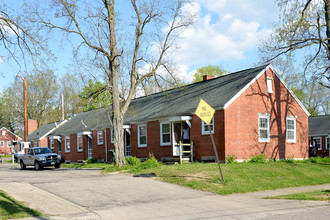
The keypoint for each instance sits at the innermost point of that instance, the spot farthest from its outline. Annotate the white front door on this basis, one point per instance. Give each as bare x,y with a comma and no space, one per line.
127,144
176,137
90,152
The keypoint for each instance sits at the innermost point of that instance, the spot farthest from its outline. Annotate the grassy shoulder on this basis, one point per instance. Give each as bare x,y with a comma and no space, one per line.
322,195
239,177
10,208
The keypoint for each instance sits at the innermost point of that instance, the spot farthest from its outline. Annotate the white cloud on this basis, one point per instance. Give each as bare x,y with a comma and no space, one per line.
225,30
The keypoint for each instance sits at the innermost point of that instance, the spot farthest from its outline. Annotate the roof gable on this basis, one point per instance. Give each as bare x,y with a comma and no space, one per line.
18,137
44,130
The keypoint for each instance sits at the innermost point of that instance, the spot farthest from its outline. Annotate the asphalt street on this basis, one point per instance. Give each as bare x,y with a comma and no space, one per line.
89,194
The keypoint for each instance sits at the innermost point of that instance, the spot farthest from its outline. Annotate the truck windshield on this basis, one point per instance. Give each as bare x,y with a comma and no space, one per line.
42,151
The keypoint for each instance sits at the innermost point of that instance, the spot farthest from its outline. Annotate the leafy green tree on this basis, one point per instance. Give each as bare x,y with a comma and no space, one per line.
94,95
304,27
210,70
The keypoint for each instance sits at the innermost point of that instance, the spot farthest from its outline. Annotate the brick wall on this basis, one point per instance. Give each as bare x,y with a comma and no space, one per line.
241,122
32,125
8,136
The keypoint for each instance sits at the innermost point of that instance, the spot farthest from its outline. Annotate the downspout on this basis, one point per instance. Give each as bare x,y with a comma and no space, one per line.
106,146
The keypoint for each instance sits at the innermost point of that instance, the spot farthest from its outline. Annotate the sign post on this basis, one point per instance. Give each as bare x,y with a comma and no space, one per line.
205,112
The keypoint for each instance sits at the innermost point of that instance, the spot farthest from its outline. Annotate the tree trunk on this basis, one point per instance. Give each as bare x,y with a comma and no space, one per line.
117,115
327,21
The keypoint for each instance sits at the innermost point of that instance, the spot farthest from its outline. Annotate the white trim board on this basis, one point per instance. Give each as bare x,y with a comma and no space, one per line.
256,78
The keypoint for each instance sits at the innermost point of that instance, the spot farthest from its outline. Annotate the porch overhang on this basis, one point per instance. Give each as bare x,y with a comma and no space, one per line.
57,137
87,133
181,118
127,128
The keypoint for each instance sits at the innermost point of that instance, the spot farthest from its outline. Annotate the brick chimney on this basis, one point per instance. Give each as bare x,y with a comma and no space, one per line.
207,77
32,125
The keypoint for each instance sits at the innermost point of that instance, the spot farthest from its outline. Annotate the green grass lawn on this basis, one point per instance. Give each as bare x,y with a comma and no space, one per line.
323,195
10,208
239,177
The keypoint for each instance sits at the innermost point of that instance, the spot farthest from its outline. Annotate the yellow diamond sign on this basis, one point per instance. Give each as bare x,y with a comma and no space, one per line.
204,111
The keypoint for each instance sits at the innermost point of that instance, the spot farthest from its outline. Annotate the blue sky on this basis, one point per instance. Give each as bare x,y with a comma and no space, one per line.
226,33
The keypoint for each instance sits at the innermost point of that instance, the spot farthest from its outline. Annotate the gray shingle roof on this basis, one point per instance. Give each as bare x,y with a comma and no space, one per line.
43,130
319,125
181,101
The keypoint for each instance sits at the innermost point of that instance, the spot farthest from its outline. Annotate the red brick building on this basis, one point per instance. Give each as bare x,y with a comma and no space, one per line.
8,141
319,134
255,113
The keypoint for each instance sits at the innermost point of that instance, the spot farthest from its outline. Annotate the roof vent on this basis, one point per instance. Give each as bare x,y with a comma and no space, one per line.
207,77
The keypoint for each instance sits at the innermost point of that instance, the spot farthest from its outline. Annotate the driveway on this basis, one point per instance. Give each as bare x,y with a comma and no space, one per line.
89,194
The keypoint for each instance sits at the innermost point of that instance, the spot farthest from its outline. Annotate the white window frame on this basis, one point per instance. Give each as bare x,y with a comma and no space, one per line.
78,147
98,137
266,116
319,138
327,143
66,143
288,118
269,84
112,136
162,143
9,144
52,144
139,144
36,144
206,132
3,132
2,144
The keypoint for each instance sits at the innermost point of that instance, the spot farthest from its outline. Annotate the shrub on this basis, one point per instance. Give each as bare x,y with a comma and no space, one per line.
231,159
260,158
289,160
134,161
319,159
150,162
92,160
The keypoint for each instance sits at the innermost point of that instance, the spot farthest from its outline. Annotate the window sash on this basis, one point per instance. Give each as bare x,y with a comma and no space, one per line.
80,143
100,137
291,130
51,144
205,127
67,144
327,140
2,144
112,136
142,135
165,133
8,143
318,141
264,128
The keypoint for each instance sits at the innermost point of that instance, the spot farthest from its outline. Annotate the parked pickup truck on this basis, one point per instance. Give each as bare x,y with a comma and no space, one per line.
39,157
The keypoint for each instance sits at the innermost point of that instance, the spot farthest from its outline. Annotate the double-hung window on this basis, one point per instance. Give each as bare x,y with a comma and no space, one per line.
80,143
112,136
99,137
318,143
142,135
264,128
2,144
205,127
165,133
67,144
8,143
52,144
291,129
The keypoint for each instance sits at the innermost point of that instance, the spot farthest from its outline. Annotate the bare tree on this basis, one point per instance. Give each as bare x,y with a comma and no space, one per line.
304,26
141,44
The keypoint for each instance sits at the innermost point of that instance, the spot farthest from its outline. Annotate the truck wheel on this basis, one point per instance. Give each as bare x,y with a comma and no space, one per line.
58,165
22,165
37,166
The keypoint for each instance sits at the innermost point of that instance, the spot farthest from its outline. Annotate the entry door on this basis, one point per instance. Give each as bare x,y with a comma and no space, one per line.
59,148
127,144
176,136
90,152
